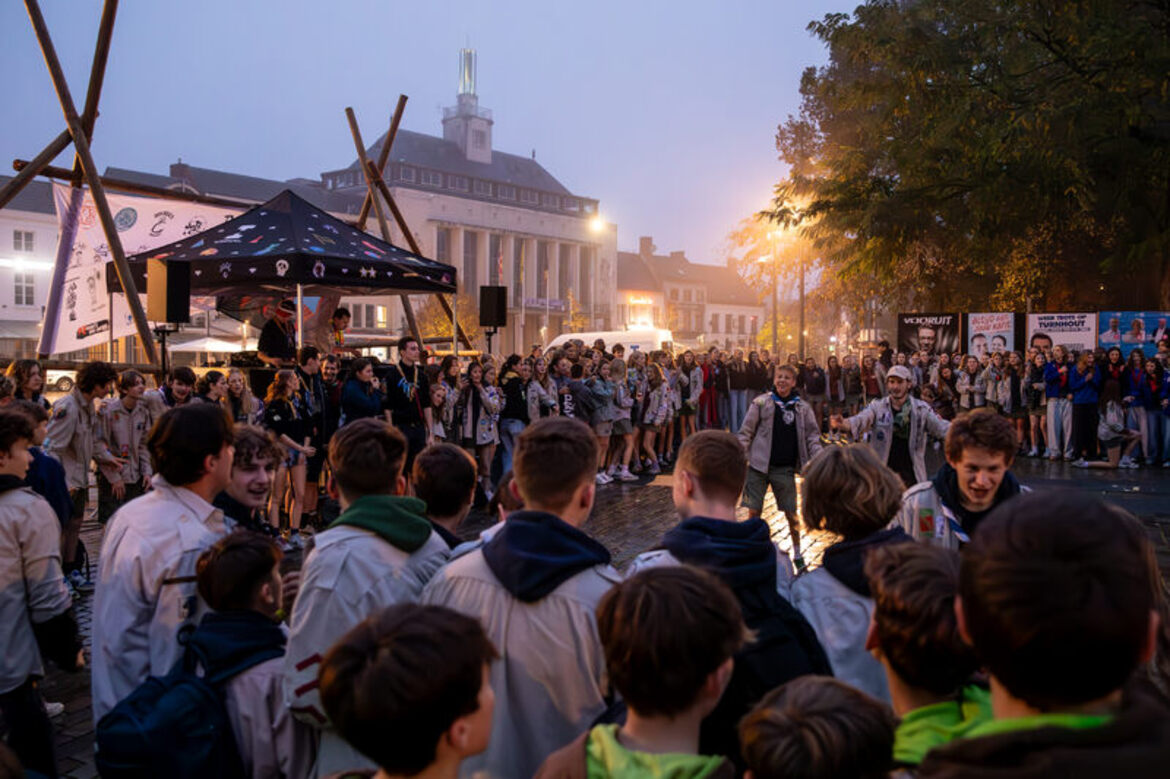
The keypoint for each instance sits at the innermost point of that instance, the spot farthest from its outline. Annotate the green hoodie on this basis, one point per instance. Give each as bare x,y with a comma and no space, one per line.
605,758
399,520
927,727
1037,721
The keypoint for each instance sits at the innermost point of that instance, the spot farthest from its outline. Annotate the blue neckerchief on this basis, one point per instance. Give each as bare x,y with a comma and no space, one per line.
785,404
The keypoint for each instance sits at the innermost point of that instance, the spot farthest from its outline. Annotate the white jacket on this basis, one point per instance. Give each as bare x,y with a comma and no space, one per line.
841,617
146,590
271,741
550,680
350,574
878,416
32,588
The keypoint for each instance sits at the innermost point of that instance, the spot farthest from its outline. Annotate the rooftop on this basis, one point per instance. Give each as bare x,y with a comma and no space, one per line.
37,197
651,271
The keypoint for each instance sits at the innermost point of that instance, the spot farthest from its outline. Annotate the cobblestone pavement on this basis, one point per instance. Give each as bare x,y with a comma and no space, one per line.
629,519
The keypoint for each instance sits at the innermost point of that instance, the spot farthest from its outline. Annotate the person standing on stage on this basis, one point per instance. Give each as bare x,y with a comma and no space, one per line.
278,339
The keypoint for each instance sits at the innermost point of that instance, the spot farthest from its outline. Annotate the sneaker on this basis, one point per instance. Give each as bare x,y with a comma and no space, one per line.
625,475
1132,464
1069,458
54,709
602,478
1080,463
656,469
1033,452
612,470
82,585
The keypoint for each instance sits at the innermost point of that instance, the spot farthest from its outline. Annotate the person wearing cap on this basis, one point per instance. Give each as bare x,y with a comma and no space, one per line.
278,340
900,424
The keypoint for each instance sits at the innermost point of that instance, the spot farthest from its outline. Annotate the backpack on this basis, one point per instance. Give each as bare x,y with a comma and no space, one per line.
176,725
587,403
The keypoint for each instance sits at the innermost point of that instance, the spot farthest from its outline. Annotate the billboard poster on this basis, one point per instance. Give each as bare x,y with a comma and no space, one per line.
1132,329
990,333
933,333
84,316
1075,332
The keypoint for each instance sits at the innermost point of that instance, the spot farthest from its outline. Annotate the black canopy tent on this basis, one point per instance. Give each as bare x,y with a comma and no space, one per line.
288,245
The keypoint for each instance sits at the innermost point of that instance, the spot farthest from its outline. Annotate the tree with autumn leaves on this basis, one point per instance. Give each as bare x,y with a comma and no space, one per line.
976,154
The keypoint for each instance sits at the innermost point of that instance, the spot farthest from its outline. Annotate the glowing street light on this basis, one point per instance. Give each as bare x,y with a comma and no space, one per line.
597,224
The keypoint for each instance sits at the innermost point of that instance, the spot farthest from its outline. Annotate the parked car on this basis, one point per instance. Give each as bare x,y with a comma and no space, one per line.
60,381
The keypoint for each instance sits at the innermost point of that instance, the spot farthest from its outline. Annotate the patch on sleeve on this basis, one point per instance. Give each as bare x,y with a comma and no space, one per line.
926,522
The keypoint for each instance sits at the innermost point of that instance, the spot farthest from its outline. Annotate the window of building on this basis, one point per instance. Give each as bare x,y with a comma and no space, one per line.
505,192
356,313
549,201
742,318
458,183
585,270
727,320
517,270
674,293
405,173
470,261
699,295
686,296
589,207
478,139
714,323
24,283
431,178
755,325
483,188
443,244
529,196
563,272
495,258
22,240
542,268
570,204
380,312
371,316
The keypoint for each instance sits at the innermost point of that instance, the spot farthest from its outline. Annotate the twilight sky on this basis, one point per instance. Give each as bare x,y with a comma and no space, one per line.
665,111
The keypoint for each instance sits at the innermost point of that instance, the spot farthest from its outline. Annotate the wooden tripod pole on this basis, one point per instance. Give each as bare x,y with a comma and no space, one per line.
383,157
93,178
372,194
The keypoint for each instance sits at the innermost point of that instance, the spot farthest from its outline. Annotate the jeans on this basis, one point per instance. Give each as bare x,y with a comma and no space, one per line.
1059,427
724,406
739,403
1135,419
510,430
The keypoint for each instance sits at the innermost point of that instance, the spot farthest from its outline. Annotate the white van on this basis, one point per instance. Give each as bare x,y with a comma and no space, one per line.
646,339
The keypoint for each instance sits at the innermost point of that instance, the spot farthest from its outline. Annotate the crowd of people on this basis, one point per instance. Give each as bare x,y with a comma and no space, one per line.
958,625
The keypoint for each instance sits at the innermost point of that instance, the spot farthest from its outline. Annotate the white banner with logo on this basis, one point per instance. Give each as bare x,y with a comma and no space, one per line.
1075,332
78,315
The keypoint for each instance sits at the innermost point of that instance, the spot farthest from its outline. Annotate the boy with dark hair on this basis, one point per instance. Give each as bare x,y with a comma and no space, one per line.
245,497
708,478
312,397
123,461
417,722
36,614
177,390
677,618
146,589
535,585
408,398
980,447
1057,594
379,552
239,578
817,727
444,479
70,439
915,635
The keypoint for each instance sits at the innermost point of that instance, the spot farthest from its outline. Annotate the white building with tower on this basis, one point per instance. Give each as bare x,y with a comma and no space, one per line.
500,219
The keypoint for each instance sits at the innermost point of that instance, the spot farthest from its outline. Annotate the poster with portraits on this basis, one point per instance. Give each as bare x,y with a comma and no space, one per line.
990,333
1132,329
933,333
1075,332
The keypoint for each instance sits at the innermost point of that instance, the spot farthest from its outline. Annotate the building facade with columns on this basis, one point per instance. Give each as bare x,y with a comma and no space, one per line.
500,219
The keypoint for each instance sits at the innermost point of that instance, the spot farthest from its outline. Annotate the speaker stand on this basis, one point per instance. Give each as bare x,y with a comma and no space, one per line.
161,330
489,334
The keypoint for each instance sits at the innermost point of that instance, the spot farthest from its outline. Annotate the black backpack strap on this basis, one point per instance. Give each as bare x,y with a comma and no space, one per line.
223,675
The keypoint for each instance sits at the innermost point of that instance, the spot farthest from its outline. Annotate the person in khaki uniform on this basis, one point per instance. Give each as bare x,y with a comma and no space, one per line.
123,459
780,435
70,441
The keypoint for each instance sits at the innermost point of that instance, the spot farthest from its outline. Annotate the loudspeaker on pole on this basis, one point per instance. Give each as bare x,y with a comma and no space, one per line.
493,306
168,291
